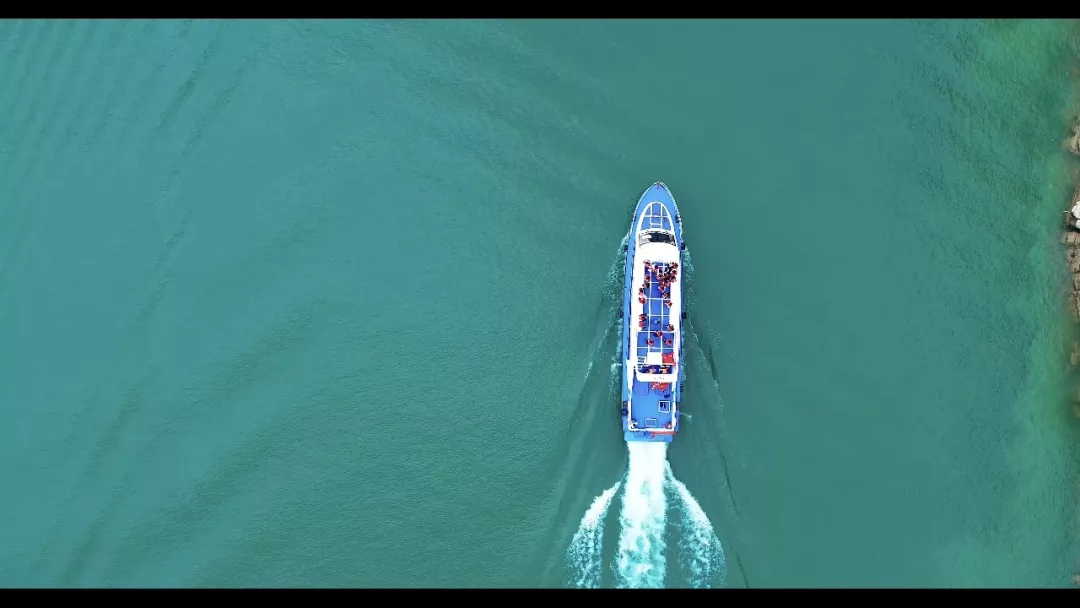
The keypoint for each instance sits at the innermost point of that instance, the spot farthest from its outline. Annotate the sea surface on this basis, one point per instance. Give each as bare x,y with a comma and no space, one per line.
332,303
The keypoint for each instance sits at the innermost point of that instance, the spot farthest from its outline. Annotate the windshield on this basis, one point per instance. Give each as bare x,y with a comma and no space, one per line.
660,237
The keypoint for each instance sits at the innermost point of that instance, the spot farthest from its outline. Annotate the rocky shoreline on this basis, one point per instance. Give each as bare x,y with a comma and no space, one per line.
1071,239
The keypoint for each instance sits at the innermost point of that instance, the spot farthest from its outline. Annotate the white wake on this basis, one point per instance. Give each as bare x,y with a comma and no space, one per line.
585,555
642,560
641,556
700,548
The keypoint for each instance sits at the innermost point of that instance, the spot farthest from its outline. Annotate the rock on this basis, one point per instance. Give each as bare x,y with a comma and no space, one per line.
1074,356
1074,141
1076,409
1076,580
1071,238
1072,254
1076,281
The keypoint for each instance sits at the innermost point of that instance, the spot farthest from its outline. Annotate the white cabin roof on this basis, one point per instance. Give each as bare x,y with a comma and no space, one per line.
658,252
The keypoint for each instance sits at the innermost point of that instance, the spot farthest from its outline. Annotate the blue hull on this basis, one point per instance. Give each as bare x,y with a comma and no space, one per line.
653,407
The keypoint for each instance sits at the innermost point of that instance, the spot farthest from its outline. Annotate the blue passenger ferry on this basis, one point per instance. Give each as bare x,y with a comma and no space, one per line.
652,316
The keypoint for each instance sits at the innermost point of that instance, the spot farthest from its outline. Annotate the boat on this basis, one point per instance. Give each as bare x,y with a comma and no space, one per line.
652,317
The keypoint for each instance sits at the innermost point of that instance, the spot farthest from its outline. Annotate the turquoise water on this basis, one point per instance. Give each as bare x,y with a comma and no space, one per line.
330,303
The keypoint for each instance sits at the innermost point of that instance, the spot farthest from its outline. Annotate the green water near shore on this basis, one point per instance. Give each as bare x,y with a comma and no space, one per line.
325,303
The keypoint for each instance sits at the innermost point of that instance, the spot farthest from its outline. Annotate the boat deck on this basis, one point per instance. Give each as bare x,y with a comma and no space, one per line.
657,319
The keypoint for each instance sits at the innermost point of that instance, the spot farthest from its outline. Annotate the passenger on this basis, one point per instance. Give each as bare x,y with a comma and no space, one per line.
658,334
667,303
670,327
649,342
641,300
667,342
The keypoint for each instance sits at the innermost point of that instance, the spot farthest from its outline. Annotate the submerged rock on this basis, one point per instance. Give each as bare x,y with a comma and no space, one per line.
1072,254
1074,141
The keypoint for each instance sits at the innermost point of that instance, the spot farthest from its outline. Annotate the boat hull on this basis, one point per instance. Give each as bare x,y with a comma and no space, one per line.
650,411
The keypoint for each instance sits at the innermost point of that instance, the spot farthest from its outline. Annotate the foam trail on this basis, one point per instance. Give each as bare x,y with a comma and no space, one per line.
584,556
603,338
641,560
613,282
700,549
688,272
615,273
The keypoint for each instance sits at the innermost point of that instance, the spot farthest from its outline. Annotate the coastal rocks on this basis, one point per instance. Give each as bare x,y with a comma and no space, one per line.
1071,238
1072,256
1074,141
